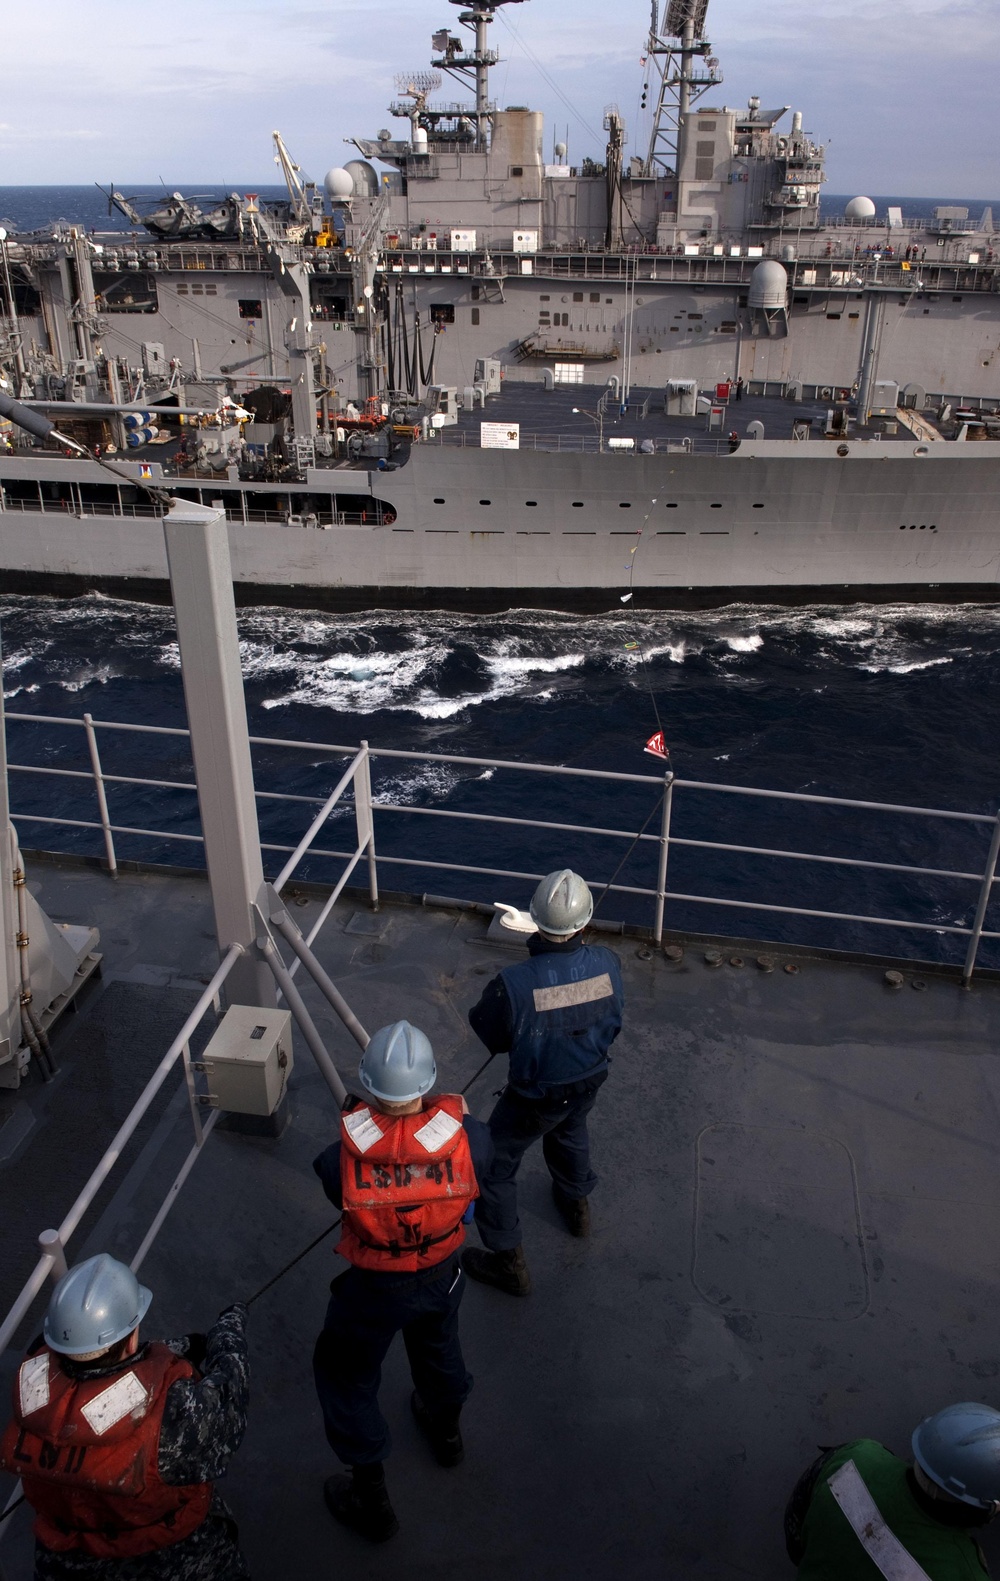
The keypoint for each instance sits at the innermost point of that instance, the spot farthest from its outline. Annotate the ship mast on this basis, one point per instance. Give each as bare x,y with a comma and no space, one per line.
675,44
472,66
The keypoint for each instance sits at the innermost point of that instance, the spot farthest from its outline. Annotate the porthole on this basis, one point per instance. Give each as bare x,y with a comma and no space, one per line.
715,507
578,505
624,505
486,502
671,505
439,502
758,507
531,503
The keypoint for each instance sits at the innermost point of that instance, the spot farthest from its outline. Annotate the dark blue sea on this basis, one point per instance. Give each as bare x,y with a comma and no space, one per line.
895,704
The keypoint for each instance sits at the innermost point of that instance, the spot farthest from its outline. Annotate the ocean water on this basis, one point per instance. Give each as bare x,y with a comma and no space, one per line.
895,704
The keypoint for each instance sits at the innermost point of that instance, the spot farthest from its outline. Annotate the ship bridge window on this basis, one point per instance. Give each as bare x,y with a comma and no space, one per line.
696,315
833,315
438,500
517,170
486,502
545,299
250,307
474,315
624,505
577,296
595,296
854,315
758,507
532,503
578,505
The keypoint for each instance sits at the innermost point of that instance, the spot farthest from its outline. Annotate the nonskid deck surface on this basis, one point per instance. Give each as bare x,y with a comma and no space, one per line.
544,412
791,1244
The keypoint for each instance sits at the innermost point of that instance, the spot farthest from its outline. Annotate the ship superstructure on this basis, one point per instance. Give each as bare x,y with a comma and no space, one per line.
452,269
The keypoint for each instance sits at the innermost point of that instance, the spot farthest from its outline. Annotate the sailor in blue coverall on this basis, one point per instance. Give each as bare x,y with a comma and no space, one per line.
557,1015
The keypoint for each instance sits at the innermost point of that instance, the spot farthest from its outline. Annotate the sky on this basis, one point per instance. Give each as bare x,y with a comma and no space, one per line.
902,92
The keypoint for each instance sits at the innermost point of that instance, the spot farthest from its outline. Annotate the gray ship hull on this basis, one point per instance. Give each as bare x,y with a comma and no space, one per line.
474,529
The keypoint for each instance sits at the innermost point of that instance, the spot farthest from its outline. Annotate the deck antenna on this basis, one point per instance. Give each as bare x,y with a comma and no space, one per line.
676,39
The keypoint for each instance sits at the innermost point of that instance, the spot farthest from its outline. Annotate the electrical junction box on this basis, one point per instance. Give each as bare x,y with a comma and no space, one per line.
248,1060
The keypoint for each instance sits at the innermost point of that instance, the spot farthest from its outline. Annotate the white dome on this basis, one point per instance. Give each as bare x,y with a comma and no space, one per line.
364,181
339,184
768,285
860,209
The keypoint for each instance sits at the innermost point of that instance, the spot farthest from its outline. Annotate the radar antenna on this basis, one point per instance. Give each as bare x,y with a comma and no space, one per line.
676,40
472,66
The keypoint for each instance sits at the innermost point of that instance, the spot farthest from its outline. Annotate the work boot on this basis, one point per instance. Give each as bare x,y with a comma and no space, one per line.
441,1431
361,1501
508,1271
575,1213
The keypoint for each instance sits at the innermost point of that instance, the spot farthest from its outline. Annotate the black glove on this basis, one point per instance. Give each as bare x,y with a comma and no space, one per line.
192,1347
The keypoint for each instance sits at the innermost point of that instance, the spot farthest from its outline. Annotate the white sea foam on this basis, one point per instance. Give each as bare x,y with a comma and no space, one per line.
745,644
904,668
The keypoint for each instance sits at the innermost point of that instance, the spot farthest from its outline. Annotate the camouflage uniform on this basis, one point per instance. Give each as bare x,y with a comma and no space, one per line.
204,1420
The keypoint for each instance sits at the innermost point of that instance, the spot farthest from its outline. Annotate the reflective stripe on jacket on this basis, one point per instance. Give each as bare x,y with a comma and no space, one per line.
86,1452
405,1184
567,1012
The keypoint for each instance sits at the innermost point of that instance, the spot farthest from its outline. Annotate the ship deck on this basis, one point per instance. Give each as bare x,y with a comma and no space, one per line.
791,1239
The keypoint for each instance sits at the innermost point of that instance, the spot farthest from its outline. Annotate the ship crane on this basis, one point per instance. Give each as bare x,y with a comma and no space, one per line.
301,193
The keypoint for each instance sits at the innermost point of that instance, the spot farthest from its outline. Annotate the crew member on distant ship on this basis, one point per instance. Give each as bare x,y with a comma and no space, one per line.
860,1512
117,1443
405,1172
556,1015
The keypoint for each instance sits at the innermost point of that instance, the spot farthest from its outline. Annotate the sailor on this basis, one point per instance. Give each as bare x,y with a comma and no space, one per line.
118,1441
404,1171
860,1512
556,1015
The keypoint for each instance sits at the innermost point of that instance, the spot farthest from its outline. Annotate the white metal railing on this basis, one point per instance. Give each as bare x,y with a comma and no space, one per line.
367,807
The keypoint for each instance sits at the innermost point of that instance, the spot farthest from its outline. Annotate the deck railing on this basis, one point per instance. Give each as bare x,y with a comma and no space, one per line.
371,809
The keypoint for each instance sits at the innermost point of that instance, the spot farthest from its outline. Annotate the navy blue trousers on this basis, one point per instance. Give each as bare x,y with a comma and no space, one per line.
366,1312
560,1119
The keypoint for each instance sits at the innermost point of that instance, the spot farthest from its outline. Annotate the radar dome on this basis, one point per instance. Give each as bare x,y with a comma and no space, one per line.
363,177
860,209
339,184
560,150
768,285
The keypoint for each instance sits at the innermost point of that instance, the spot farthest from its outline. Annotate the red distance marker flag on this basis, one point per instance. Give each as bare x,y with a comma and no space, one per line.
656,746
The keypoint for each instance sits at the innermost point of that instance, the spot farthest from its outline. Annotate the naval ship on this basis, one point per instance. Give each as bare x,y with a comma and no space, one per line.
410,383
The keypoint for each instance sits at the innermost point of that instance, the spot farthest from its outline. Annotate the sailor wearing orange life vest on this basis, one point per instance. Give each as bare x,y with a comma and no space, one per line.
117,1443
404,1170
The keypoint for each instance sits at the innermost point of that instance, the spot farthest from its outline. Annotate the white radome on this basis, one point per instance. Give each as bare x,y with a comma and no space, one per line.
339,184
860,209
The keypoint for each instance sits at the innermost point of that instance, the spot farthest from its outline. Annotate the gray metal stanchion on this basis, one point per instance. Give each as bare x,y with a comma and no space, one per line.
201,579
13,1060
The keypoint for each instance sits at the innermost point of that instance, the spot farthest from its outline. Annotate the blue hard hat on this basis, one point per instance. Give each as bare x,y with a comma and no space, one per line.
959,1449
95,1305
398,1064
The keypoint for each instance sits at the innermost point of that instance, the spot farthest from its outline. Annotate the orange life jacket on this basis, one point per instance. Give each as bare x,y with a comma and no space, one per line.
86,1452
406,1184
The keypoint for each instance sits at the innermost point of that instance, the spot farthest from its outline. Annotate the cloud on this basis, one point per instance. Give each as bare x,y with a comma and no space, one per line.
197,99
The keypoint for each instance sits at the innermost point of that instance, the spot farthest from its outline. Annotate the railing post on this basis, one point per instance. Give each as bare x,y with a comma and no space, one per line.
661,876
985,891
102,800
52,1246
365,819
